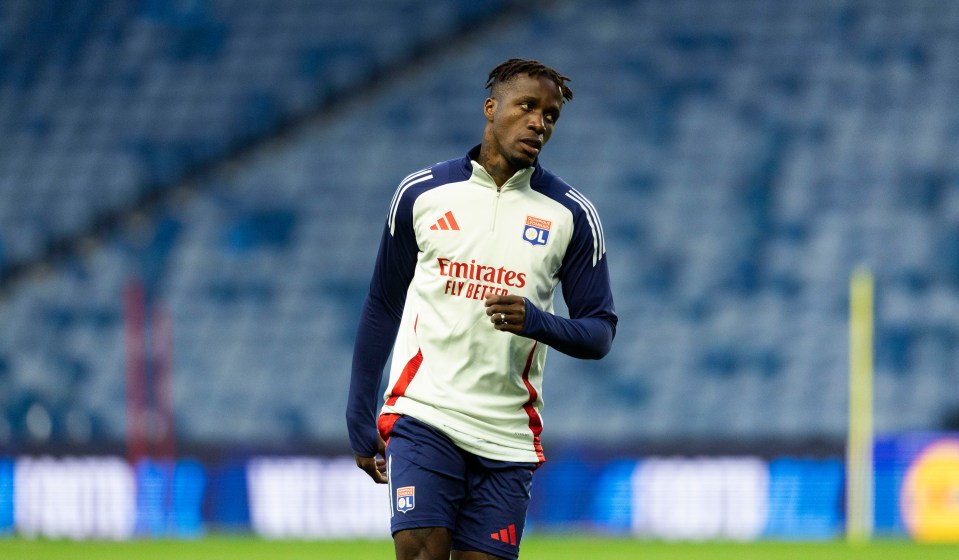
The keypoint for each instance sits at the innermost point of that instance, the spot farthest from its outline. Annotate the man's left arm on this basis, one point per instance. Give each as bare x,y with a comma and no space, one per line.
589,331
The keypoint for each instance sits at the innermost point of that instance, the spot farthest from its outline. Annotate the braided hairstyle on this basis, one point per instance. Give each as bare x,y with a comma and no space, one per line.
507,70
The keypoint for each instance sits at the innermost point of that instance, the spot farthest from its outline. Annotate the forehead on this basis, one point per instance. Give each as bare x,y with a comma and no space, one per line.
541,87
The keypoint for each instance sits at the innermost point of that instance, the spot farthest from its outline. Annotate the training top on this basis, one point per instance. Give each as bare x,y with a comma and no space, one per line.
450,239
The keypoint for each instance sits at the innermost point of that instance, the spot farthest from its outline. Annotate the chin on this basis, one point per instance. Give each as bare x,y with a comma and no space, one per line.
521,161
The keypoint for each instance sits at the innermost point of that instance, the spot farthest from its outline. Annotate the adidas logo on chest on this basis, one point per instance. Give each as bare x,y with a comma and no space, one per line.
446,223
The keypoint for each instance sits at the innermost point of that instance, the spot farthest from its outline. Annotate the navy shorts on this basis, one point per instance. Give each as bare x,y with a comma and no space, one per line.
434,483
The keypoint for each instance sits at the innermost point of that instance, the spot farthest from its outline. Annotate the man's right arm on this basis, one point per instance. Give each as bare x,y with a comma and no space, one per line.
374,340
376,332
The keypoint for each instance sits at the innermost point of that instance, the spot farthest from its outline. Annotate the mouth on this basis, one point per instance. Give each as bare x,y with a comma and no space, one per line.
532,145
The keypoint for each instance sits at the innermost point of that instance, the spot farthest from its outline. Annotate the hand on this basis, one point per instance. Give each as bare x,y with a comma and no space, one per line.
374,466
507,313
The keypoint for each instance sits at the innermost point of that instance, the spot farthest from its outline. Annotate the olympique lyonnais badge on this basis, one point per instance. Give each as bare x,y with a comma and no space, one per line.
405,498
536,230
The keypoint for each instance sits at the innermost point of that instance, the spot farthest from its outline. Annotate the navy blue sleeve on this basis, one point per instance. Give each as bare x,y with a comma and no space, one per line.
376,333
589,331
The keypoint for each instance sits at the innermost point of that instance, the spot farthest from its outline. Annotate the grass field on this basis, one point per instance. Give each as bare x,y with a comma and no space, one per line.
534,548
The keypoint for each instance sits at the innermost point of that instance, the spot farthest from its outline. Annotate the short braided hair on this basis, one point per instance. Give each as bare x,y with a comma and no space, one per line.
507,70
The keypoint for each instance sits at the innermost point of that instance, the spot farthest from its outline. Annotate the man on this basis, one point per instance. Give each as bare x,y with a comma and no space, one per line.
462,292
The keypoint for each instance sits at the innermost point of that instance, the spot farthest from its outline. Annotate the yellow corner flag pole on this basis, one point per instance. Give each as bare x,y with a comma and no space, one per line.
859,467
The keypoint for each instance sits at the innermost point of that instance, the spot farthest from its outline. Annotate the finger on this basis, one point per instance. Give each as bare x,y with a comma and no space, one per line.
499,318
513,323
495,308
376,475
373,468
379,471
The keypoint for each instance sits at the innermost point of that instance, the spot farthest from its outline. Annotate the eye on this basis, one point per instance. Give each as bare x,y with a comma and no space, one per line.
524,105
550,117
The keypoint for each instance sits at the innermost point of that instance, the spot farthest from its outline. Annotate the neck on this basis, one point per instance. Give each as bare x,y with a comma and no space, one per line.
496,165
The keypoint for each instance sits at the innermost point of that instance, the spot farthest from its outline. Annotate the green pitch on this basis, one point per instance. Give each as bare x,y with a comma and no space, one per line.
536,547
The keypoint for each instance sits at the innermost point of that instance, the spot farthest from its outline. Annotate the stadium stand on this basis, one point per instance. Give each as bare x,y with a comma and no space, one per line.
745,156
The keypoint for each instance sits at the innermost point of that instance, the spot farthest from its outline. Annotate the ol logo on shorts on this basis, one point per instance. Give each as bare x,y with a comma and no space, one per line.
405,498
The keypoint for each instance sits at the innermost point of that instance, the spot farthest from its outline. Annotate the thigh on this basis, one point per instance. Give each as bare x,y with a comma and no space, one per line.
428,543
493,515
427,479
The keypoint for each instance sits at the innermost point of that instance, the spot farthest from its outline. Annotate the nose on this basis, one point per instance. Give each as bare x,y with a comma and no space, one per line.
536,122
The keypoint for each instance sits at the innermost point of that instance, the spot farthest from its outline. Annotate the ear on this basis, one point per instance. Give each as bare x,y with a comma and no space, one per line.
489,107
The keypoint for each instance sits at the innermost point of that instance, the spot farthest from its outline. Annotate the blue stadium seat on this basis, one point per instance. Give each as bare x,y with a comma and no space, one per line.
744,156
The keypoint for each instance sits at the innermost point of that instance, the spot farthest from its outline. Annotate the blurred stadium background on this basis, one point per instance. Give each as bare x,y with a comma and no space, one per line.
192,191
